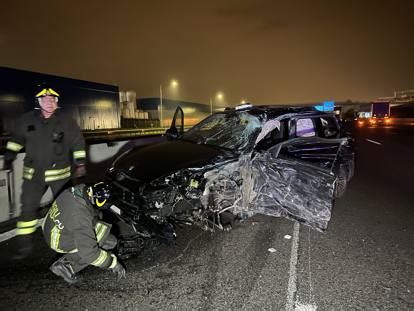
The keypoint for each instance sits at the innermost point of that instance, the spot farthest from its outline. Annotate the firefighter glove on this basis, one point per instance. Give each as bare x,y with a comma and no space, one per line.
119,270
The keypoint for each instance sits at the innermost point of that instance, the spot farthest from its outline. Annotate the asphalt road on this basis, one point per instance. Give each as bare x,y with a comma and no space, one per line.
365,260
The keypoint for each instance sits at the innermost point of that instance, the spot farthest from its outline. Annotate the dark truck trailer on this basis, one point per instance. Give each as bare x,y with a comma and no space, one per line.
92,105
380,113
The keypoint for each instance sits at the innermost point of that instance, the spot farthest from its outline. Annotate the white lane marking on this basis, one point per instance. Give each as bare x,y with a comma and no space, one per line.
7,235
304,307
311,306
292,269
373,141
12,233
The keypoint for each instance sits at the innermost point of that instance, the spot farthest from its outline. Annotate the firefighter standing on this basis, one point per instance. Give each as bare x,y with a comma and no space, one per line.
72,227
52,142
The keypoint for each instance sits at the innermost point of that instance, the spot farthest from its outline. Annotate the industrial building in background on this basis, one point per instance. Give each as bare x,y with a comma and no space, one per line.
95,106
146,112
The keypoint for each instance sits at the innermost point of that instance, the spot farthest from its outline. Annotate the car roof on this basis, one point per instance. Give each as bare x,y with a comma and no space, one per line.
276,111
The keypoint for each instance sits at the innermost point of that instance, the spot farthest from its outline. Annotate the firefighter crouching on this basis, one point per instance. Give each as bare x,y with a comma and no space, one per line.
72,228
52,142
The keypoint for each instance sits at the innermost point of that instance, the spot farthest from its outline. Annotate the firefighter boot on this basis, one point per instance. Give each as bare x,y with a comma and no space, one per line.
24,246
62,268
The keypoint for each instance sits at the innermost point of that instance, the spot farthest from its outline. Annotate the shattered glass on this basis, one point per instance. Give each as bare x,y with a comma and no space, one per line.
230,131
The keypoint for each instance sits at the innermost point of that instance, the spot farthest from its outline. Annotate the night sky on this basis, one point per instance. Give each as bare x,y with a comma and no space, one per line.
265,51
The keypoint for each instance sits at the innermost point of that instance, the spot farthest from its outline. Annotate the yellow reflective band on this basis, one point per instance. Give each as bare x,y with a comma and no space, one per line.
100,230
23,231
101,259
114,261
27,169
27,176
26,224
47,91
54,238
57,172
59,177
100,204
28,172
79,154
13,146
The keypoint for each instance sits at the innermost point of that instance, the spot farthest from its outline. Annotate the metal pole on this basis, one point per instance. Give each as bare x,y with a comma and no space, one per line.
211,106
161,120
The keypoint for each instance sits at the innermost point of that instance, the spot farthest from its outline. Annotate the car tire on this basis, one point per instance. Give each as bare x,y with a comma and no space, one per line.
351,169
340,183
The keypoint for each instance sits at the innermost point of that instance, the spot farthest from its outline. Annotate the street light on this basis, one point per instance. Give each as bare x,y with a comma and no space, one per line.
173,84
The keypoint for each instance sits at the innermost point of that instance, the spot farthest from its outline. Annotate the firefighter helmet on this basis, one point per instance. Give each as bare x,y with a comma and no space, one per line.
46,90
99,194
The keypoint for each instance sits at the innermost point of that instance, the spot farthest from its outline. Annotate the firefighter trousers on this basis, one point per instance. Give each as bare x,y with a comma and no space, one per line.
75,260
32,193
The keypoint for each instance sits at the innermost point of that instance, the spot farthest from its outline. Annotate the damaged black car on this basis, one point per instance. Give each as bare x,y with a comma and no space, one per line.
276,161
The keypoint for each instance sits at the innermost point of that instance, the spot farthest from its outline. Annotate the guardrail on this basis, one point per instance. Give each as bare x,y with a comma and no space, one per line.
403,121
119,134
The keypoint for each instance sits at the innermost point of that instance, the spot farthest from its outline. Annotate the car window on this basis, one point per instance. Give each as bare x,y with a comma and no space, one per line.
329,127
314,151
305,128
235,131
271,134
270,127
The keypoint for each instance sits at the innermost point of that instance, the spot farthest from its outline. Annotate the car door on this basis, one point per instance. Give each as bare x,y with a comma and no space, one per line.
295,179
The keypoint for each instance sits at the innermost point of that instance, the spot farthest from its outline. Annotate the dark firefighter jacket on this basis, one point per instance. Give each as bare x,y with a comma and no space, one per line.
51,145
72,226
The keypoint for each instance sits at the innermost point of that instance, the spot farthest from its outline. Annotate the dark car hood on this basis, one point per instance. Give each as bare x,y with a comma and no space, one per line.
152,162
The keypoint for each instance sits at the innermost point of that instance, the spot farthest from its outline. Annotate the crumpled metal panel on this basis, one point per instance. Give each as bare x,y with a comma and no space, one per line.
275,187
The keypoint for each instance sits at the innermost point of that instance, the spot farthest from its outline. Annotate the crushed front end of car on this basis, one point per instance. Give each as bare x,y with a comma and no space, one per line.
220,171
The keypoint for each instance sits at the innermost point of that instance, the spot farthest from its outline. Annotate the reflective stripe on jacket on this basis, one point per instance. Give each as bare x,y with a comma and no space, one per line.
72,225
51,145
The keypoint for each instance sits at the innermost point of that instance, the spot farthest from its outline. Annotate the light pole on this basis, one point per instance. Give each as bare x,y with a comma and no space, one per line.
174,84
161,125
219,96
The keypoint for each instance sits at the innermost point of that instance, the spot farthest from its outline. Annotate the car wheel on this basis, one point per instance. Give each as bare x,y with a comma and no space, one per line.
340,183
351,169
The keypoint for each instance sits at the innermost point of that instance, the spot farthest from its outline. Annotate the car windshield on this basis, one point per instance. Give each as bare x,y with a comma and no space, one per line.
235,131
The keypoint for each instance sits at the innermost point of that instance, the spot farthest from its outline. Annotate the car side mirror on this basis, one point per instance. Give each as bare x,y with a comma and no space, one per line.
172,133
